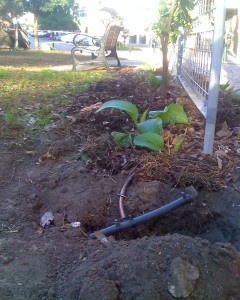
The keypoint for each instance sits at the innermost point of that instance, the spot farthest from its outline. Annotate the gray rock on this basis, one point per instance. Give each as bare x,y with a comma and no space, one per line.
183,278
46,219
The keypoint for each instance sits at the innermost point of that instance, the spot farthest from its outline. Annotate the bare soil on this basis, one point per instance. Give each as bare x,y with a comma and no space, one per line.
74,170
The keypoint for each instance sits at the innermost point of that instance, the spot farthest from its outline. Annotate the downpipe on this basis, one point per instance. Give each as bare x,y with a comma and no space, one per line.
187,196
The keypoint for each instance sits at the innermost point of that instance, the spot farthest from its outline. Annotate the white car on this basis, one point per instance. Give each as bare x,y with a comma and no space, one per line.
68,38
84,40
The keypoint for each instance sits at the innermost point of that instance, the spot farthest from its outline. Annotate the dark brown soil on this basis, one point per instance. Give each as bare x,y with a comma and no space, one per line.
74,170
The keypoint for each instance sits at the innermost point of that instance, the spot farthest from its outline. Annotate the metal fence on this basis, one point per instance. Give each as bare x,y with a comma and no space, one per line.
199,61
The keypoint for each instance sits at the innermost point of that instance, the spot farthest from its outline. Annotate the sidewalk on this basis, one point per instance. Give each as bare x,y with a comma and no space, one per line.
144,58
147,58
231,72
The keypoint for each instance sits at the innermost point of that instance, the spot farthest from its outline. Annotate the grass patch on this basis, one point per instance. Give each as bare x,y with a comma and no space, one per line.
30,94
3,73
128,48
33,58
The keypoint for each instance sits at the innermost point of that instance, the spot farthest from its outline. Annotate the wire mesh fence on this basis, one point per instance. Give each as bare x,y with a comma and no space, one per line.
199,61
194,72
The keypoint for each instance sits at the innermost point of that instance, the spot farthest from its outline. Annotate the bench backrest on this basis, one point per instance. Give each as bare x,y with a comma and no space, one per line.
111,36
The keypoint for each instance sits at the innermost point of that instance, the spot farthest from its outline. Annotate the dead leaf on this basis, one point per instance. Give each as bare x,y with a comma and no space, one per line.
219,160
66,226
29,152
40,231
220,153
224,132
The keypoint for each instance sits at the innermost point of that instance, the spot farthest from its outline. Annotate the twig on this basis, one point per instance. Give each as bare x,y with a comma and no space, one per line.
10,230
84,233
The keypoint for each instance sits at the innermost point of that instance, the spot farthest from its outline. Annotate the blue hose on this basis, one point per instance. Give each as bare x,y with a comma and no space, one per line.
187,197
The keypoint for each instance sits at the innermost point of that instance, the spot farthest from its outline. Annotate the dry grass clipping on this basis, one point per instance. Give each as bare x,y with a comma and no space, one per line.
182,171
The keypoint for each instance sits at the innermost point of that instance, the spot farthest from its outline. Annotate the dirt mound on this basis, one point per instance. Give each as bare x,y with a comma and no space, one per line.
167,267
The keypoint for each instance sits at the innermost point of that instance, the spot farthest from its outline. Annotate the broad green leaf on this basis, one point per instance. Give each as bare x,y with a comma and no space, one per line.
177,114
162,114
144,116
152,141
151,125
126,106
123,140
178,144
173,113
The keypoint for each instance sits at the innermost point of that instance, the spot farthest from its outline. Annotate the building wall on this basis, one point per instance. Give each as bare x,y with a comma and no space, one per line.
232,25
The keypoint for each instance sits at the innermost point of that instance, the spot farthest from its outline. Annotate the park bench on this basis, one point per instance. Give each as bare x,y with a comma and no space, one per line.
99,48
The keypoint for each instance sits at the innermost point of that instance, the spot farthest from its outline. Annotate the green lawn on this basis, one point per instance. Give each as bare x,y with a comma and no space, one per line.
30,90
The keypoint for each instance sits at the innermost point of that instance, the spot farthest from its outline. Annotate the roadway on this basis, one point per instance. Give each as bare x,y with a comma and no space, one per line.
46,44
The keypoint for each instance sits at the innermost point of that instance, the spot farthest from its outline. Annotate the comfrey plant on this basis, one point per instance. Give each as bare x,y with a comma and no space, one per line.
148,131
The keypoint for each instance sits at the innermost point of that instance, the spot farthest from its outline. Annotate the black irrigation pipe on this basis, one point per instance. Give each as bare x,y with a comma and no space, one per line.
187,196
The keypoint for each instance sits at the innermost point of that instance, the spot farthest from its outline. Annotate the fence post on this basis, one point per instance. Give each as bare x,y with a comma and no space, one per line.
179,56
213,91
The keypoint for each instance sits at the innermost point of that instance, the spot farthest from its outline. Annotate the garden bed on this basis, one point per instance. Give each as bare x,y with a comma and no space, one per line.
74,170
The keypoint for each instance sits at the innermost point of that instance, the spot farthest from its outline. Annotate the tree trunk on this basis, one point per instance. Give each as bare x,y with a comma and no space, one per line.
164,41
36,40
16,35
164,83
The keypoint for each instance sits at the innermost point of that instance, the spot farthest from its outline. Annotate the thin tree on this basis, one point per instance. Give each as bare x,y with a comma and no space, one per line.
172,15
40,6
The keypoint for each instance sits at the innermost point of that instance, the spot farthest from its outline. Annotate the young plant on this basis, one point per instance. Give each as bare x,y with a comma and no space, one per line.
148,131
154,81
148,134
42,116
230,90
13,119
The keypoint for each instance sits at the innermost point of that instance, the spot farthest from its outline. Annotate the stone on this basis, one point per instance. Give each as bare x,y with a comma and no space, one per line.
183,278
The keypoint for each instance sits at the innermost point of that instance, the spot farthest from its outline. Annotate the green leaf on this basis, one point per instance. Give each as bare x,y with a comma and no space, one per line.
154,81
178,144
123,140
152,141
151,125
126,106
144,116
173,114
162,114
177,114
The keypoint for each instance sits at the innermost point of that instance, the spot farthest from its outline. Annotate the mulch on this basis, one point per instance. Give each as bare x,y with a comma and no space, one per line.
188,166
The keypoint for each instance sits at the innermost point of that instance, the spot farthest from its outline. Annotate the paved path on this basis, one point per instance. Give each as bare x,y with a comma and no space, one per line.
144,58
231,72
230,69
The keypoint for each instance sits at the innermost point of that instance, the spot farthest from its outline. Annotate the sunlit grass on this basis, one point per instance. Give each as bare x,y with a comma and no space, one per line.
19,88
35,92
